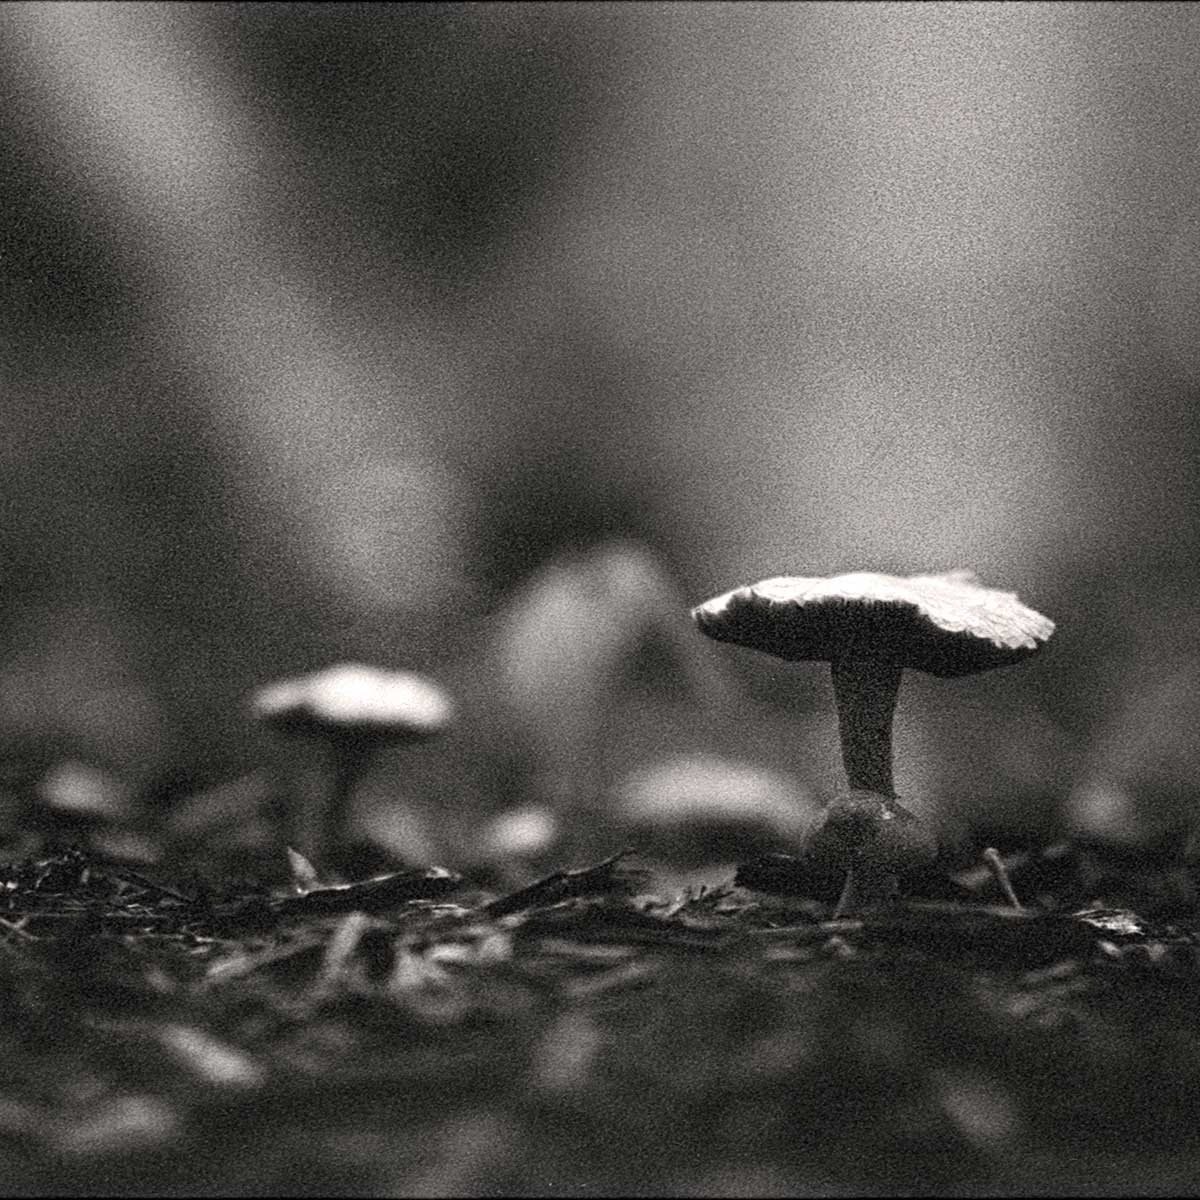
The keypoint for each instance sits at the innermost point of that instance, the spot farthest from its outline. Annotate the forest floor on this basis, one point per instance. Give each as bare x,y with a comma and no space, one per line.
594,1033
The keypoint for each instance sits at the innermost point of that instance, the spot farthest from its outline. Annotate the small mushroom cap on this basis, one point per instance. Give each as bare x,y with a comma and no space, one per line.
355,699
942,624
520,832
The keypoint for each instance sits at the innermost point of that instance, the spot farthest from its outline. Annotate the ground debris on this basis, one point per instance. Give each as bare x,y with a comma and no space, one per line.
610,877
361,1037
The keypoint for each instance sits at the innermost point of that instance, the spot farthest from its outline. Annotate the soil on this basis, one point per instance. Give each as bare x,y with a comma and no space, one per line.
416,1033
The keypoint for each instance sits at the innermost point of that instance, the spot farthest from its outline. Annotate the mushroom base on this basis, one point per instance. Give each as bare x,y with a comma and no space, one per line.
875,840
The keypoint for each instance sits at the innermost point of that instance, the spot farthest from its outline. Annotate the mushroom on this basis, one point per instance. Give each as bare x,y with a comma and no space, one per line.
869,627
571,639
526,832
353,710
695,810
868,841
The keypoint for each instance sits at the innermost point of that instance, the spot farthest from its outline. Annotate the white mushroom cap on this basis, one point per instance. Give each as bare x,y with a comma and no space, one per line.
943,624
357,699
527,831
689,810
687,789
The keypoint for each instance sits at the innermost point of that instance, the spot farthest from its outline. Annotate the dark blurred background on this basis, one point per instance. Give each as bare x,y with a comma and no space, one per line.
325,327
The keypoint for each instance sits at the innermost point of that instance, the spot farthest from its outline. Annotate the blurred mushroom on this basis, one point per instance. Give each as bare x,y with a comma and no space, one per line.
996,761
352,710
695,809
82,800
869,627
52,795
521,833
575,638
1138,785
514,846
1131,813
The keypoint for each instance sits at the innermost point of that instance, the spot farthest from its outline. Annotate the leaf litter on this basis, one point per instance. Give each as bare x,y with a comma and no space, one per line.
413,1033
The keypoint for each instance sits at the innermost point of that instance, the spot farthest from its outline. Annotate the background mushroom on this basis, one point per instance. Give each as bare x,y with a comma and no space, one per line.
573,643
352,710
870,627
701,809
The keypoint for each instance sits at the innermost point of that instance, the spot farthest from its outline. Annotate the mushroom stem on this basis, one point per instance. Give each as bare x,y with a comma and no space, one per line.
352,756
865,691
321,817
